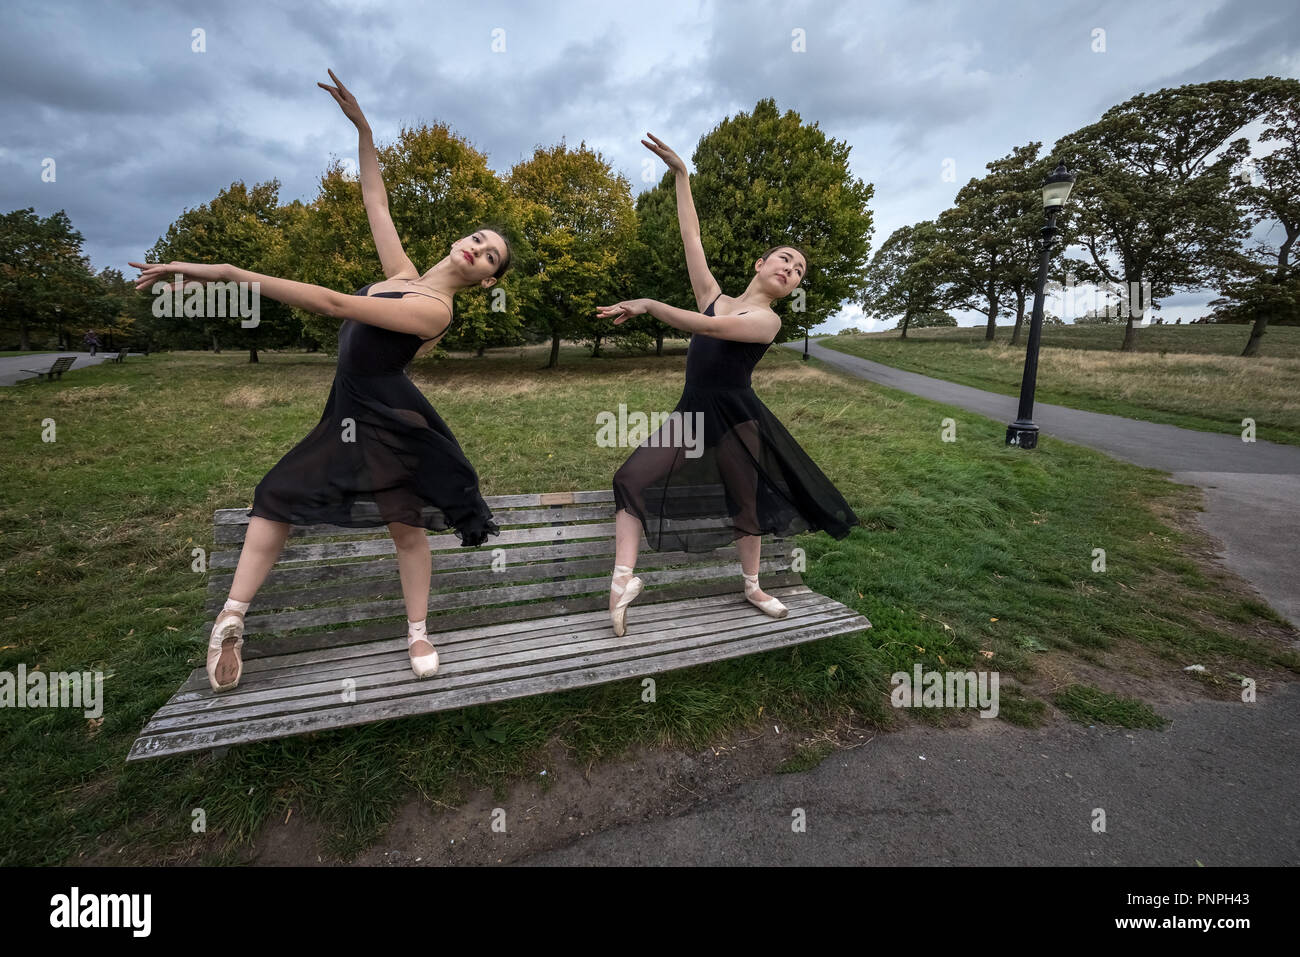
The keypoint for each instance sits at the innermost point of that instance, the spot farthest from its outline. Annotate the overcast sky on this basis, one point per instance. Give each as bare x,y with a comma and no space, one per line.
141,126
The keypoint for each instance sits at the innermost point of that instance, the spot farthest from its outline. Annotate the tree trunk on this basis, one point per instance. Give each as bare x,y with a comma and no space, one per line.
1130,334
659,343
595,349
555,352
991,329
252,353
1020,317
216,346
481,351
907,318
1283,261
1256,334
24,337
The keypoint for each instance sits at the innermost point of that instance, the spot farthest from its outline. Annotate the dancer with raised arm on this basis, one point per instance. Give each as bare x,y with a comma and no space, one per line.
745,469
379,439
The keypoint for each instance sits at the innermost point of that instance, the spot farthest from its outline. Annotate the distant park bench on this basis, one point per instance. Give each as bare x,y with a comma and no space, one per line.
525,614
61,365
119,357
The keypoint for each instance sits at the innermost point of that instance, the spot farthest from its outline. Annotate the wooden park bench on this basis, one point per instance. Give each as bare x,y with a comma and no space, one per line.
61,365
119,357
524,614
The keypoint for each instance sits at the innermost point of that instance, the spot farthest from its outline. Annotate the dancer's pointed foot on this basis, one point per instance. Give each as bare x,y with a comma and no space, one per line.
424,657
225,664
623,589
759,598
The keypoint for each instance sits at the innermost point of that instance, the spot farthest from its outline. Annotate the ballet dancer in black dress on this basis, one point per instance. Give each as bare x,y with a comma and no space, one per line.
379,439
745,471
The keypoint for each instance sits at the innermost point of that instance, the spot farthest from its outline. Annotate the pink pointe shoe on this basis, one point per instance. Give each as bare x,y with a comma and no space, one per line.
627,593
771,606
226,640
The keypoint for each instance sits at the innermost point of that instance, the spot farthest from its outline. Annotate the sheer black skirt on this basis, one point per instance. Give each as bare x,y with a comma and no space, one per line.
750,477
379,454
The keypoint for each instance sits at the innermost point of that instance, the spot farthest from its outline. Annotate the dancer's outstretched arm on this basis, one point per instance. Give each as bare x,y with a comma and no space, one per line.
703,284
414,313
752,325
397,265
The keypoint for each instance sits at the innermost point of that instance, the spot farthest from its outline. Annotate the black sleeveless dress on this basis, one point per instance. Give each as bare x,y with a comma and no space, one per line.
745,469
380,452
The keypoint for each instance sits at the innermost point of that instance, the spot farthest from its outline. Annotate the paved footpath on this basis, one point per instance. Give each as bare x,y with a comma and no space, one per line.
1252,489
11,366
1216,787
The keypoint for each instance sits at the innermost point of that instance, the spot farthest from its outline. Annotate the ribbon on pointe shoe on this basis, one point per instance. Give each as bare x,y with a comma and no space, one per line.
770,606
422,665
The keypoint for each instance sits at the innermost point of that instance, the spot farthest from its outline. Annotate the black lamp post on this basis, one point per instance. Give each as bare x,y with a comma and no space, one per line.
805,343
1023,432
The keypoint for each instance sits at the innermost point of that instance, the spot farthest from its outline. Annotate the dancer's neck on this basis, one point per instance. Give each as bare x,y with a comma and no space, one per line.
754,299
441,278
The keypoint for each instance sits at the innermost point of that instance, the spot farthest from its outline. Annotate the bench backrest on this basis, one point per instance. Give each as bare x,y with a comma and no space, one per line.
62,364
554,556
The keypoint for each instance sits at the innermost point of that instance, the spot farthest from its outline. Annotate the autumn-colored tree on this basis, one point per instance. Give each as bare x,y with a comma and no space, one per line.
577,217
440,188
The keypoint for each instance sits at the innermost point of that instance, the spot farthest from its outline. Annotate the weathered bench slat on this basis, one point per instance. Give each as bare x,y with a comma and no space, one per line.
360,611
393,678
511,518
380,546
355,580
427,701
274,644
387,568
239,516
462,642
483,659
485,581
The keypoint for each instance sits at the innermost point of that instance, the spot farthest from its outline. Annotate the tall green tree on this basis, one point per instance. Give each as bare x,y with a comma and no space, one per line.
578,218
46,283
1268,285
905,278
990,235
243,227
439,188
1153,203
659,262
766,178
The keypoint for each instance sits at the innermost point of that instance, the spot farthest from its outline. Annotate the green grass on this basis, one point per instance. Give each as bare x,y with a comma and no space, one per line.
1189,376
972,554
805,758
1089,705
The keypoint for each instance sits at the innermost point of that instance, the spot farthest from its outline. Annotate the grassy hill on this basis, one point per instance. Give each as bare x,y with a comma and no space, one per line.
1189,375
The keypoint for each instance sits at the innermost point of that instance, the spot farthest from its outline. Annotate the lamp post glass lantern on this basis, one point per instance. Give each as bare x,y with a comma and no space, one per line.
1056,188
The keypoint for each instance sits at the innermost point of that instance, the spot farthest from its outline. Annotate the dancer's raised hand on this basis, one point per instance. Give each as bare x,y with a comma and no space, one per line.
660,149
166,273
346,101
621,310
